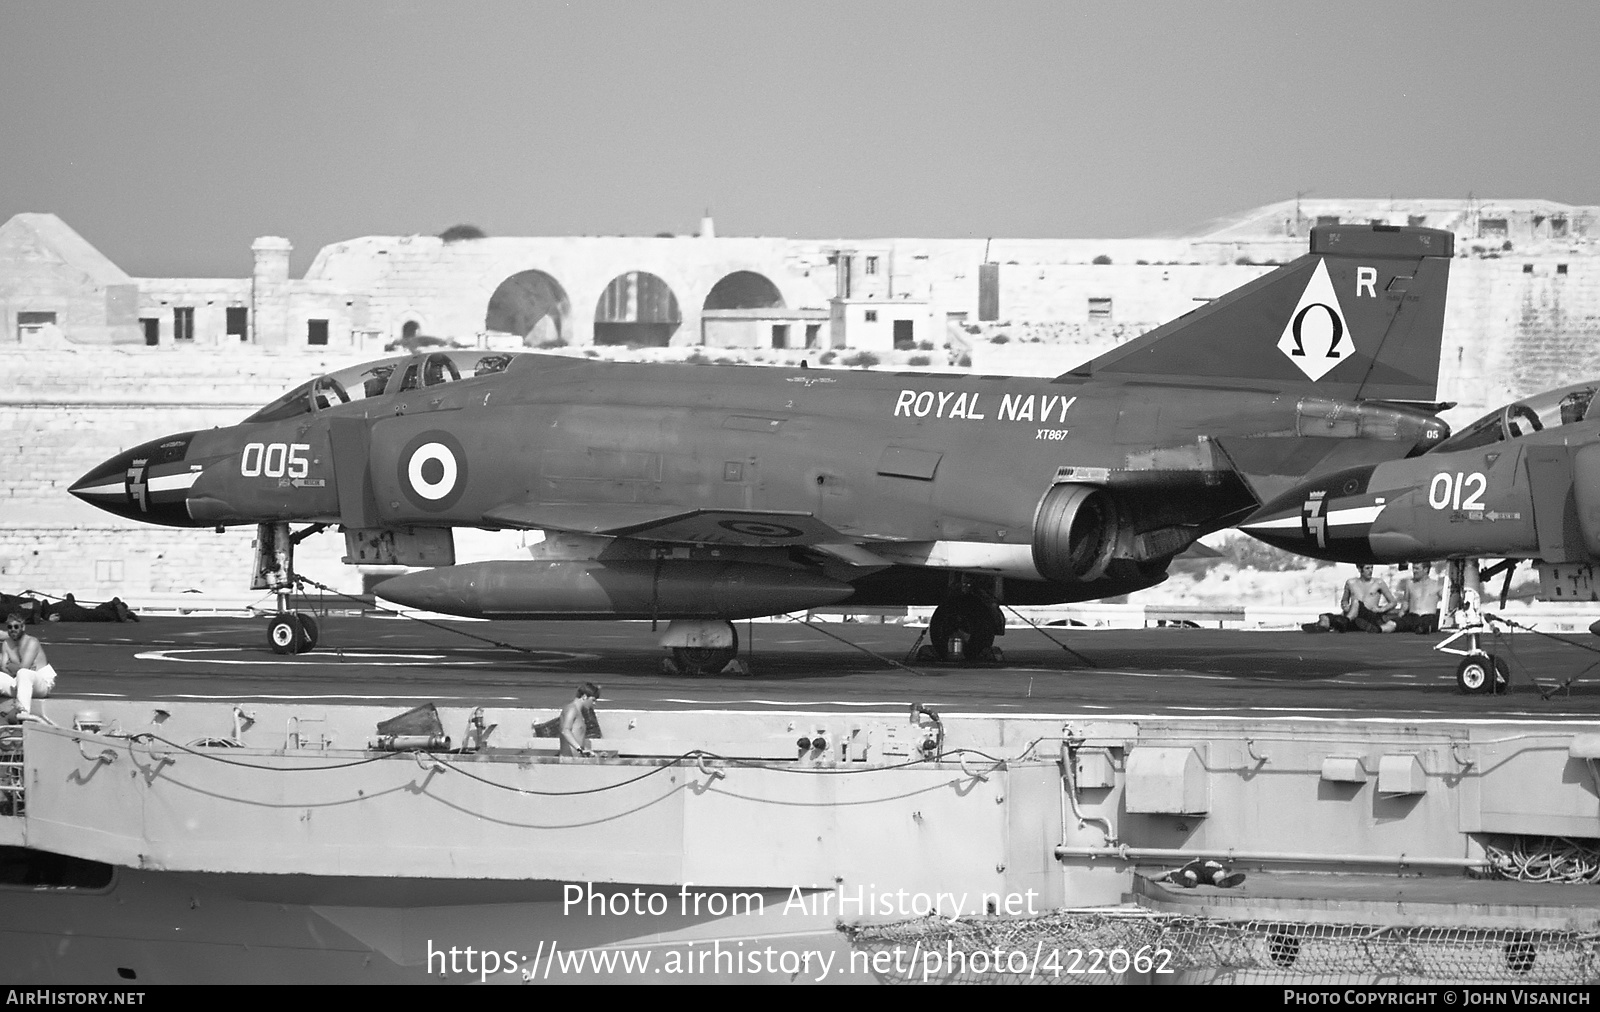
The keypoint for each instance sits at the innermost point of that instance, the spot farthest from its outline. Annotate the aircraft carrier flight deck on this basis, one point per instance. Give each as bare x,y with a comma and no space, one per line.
1175,671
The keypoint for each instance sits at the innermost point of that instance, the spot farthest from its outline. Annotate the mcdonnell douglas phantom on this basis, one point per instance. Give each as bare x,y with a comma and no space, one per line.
701,494
1522,482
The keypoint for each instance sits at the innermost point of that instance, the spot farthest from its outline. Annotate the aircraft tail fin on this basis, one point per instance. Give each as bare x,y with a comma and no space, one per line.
1361,316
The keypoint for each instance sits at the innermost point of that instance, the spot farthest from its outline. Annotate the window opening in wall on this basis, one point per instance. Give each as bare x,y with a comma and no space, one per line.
1491,227
813,330
988,292
780,335
239,322
1099,309
1327,219
29,324
872,265
1527,268
1558,227
183,323
1416,220
872,316
316,331
152,330
1561,268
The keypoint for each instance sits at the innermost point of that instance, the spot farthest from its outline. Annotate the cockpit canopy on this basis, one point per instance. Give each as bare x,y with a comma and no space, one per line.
374,379
1548,410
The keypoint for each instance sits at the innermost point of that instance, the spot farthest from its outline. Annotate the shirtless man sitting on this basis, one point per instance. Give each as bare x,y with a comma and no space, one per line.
1420,596
1365,600
27,673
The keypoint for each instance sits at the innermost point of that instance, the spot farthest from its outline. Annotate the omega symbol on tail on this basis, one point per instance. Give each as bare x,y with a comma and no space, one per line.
1317,337
433,470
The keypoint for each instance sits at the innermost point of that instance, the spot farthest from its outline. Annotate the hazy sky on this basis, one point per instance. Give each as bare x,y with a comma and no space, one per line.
170,134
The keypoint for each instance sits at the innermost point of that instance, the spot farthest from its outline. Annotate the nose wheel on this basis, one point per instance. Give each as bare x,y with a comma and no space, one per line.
289,632
1482,675
292,633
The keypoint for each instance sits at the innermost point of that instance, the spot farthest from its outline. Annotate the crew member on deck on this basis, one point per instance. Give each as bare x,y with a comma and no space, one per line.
576,718
27,672
1420,597
1365,600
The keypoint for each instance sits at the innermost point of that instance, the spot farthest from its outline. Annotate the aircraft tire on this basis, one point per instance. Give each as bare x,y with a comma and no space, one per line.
700,661
1475,674
308,631
285,634
968,617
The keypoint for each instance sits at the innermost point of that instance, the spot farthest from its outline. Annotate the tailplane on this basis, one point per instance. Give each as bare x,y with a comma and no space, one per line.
1359,317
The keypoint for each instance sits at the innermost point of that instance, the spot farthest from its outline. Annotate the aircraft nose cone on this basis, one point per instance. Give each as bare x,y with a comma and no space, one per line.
1278,527
1330,518
148,483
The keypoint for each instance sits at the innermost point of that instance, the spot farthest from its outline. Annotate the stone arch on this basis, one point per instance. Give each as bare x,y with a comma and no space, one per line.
408,328
744,290
532,305
637,309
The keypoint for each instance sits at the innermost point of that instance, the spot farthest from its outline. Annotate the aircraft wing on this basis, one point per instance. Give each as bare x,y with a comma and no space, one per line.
652,522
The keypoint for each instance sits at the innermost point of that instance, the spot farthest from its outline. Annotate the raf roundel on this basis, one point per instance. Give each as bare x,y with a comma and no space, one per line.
433,471
762,529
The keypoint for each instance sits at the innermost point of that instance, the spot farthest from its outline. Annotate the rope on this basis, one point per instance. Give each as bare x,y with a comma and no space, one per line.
1544,693
146,736
1546,859
1051,638
866,650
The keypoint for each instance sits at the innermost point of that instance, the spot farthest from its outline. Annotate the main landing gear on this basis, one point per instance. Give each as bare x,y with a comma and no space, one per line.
289,632
702,648
963,628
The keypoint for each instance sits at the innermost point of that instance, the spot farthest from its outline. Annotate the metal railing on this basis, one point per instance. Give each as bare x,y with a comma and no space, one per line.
13,792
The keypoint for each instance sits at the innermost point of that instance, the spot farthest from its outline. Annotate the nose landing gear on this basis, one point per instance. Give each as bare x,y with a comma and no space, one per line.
289,632
1480,673
292,632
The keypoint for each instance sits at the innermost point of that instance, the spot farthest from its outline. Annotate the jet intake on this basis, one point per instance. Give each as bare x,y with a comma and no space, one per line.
1075,533
1586,496
633,588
